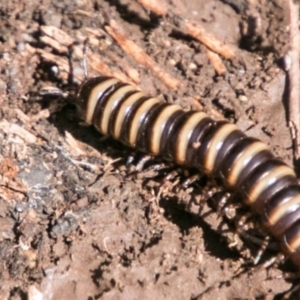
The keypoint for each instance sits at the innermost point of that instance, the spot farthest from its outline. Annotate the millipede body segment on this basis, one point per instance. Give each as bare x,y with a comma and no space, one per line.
193,139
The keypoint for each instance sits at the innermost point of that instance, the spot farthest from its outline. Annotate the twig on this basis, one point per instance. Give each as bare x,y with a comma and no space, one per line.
294,78
96,63
60,41
216,62
58,35
21,132
196,31
193,29
154,6
140,55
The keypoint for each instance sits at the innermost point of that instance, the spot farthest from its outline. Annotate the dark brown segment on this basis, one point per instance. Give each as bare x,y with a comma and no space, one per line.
279,229
192,155
231,140
254,163
144,134
169,131
171,135
171,145
295,258
85,89
262,169
232,155
290,235
205,140
126,122
101,103
275,194
128,118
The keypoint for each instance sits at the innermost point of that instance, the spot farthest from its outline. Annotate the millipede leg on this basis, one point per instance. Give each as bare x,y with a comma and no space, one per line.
138,161
261,250
142,161
274,262
189,181
130,159
242,221
222,203
84,60
171,175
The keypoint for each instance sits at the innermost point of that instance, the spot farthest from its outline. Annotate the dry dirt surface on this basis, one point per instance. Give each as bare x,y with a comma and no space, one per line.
78,222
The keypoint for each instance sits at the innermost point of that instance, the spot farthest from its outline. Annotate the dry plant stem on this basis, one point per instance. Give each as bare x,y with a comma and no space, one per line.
154,6
196,31
193,29
15,129
294,77
216,62
60,40
95,63
58,35
139,55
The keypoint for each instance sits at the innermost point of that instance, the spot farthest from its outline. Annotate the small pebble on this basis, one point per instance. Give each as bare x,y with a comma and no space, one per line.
243,98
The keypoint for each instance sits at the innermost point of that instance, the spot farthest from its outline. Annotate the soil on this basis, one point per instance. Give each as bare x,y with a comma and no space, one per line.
78,222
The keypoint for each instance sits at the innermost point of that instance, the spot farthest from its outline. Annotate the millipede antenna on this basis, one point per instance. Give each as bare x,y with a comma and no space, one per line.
84,59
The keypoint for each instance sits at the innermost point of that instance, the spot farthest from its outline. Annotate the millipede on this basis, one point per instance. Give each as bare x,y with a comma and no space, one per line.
193,139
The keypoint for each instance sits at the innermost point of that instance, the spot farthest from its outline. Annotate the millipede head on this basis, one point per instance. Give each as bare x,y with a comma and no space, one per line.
85,97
